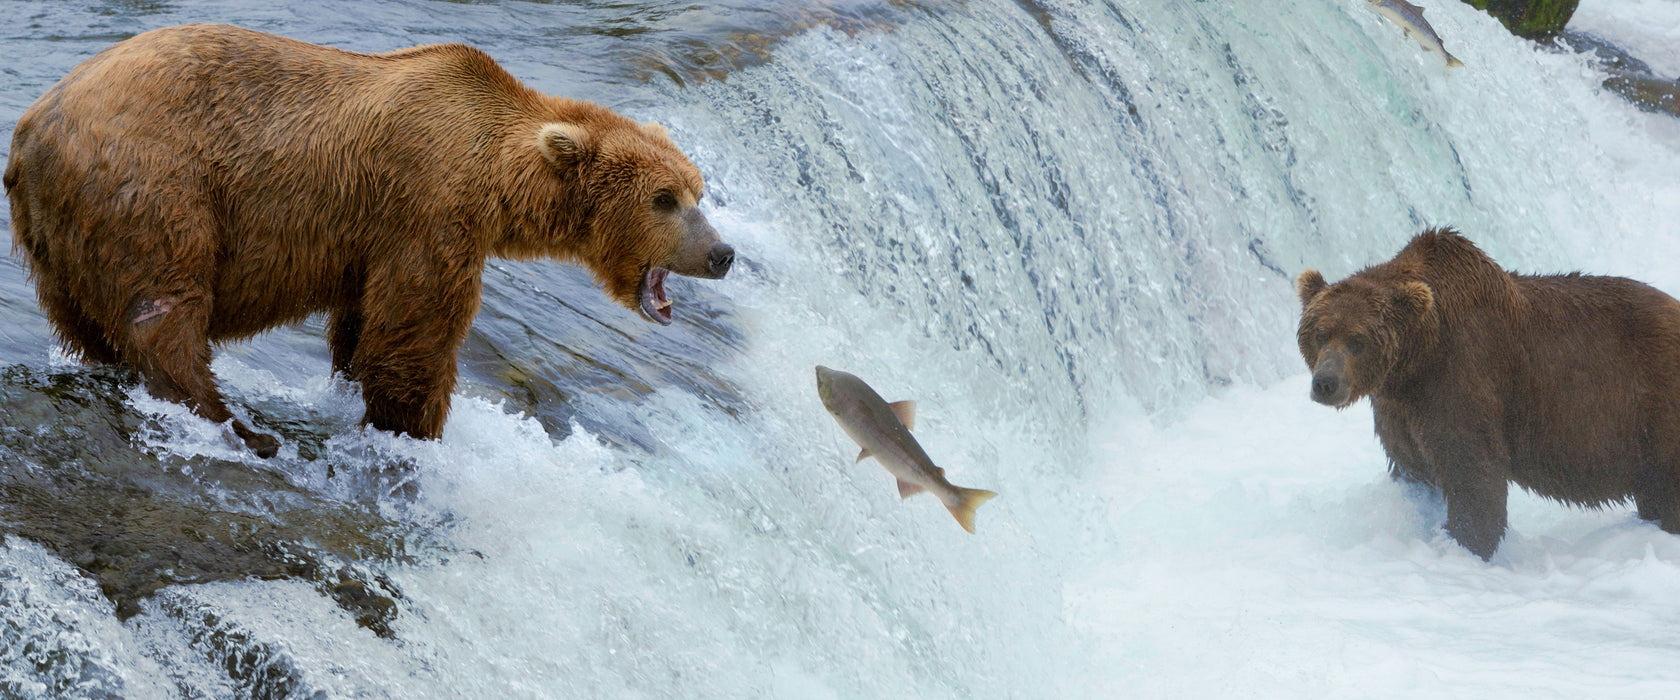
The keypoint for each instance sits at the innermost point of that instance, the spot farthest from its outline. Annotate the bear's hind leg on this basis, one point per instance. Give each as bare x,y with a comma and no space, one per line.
344,334
1655,494
168,341
80,334
156,261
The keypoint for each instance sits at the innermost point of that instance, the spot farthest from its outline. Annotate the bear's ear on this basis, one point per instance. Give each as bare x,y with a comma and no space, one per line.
1308,285
656,129
562,143
1416,297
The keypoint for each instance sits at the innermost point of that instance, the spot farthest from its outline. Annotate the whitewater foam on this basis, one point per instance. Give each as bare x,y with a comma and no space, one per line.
1069,235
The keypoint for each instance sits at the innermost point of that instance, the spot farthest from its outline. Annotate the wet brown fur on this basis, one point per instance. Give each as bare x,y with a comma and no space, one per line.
1567,385
203,183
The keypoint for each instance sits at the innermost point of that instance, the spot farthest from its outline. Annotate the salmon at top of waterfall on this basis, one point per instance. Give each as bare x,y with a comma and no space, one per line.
1410,19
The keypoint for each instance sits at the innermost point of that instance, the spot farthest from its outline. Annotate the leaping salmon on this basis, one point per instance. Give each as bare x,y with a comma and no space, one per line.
1410,19
883,431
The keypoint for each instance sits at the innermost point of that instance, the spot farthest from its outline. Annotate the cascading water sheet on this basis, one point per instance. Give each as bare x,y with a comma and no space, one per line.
1068,230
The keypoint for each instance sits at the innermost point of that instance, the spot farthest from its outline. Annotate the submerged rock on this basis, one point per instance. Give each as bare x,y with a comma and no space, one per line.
1629,77
1529,18
1648,93
74,479
1603,55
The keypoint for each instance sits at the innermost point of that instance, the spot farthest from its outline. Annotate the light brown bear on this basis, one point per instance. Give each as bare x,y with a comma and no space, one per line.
203,183
1568,385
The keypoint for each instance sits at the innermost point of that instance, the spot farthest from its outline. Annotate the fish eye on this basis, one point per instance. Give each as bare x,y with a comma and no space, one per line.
665,201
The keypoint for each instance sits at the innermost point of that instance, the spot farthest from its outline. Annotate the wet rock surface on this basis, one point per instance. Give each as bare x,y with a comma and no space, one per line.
1650,93
74,479
549,345
1629,77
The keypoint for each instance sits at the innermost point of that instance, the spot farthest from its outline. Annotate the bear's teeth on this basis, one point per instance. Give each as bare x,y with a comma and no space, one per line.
664,305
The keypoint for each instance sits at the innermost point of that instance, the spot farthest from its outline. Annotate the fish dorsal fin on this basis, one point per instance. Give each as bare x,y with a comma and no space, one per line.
906,412
864,454
907,489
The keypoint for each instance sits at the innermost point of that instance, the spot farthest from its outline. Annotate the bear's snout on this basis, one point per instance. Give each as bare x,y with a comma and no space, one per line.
1324,386
1328,386
699,252
719,260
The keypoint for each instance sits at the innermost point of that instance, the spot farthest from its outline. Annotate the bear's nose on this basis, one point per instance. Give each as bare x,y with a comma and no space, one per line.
1324,386
719,260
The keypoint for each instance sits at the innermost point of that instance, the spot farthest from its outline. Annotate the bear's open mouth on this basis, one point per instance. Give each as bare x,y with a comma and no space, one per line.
654,304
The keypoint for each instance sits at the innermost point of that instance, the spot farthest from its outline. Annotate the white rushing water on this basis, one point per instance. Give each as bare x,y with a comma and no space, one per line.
1649,29
1068,230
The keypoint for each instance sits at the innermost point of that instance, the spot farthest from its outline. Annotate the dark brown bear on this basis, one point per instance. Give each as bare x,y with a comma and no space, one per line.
1568,385
203,183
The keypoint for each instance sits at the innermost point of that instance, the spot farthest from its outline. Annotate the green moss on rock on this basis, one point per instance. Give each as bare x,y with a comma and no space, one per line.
1529,18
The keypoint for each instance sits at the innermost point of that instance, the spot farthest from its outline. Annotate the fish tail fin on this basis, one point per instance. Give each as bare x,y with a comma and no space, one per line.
1453,62
967,501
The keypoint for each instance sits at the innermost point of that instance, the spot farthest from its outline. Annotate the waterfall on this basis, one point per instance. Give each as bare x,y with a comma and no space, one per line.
1069,231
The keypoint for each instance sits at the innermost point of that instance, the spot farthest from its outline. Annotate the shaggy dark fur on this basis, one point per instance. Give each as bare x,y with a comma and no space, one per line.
1567,385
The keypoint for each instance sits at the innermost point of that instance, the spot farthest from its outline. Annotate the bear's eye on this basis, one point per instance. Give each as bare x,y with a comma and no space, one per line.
665,201
1321,337
1355,346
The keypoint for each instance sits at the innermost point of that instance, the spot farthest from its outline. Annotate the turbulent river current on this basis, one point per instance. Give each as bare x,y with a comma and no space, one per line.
1067,229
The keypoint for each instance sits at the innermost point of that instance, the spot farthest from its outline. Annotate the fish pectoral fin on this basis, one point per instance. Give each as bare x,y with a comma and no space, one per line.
906,412
907,489
865,454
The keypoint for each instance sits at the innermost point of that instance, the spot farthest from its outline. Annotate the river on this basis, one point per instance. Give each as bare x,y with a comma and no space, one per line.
1068,230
